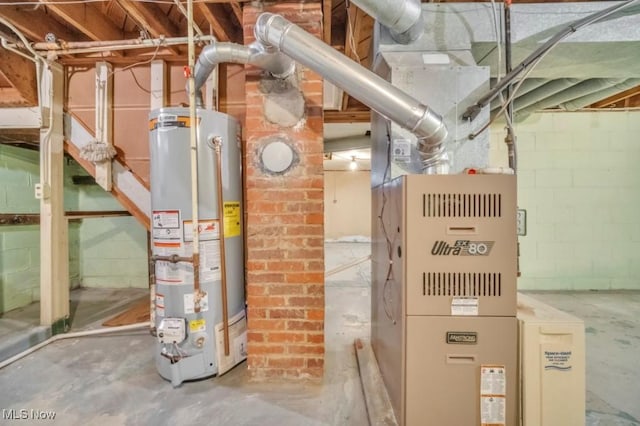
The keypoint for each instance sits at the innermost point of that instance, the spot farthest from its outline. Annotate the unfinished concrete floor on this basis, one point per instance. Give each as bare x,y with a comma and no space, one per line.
112,380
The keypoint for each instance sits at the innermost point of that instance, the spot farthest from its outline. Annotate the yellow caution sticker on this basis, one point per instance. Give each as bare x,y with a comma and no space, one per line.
197,325
232,220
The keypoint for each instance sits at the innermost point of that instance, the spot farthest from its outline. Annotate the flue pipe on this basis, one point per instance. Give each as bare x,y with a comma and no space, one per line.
362,84
402,18
257,54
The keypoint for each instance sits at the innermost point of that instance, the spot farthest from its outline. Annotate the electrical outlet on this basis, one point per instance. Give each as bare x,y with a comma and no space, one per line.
522,222
42,191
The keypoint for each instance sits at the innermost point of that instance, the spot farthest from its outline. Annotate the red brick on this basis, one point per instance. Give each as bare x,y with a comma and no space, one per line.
266,349
285,266
263,301
305,277
282,289
315,362
306,349
315,289
265,324
286,362
262,277
305,325
284,337
253,336
286,313
315,314
315,338
306,302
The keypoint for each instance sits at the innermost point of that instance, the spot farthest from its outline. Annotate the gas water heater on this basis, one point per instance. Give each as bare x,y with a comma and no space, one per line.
188,323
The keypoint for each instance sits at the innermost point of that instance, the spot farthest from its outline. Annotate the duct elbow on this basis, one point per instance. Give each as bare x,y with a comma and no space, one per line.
403,18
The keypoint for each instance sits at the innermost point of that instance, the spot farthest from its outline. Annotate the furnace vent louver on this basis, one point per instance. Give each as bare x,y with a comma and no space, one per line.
461,205
472,284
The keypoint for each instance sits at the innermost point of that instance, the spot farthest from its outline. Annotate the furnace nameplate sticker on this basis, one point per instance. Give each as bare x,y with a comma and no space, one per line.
464,306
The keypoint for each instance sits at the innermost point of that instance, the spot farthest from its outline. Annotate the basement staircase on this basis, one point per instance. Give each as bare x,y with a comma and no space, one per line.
130,190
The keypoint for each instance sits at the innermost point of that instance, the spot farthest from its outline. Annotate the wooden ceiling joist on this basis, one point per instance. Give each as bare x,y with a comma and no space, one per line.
357,41
21,74
87,19
35,24
628,98
326,21
223,28
151,19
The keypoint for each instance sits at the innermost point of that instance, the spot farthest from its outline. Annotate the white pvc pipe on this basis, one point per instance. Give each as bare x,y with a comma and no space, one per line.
77,334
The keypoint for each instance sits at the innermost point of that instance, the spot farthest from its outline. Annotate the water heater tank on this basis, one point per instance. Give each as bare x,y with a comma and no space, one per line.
188,336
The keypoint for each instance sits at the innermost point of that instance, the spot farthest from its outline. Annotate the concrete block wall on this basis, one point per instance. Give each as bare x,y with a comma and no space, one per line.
284,217
120,241
20,244
580,185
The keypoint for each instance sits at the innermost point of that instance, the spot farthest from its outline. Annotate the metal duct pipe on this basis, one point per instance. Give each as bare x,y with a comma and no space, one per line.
256,53
573,92
402,18
544,91
583,101
362,84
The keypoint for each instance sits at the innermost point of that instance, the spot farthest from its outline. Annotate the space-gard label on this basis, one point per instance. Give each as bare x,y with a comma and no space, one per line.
557,360
462,248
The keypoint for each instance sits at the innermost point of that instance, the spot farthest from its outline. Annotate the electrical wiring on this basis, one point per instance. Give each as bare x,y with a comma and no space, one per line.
354,49
387,303
511,97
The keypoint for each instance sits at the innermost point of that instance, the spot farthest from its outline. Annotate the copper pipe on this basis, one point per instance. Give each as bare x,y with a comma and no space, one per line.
217,142
197,294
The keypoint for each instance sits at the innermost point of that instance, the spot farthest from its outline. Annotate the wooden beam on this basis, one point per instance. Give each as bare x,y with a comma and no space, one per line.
326,21
347,116
54,241
21,74
618,97
35,24
216,15
87,18
152,19
357,41
237,11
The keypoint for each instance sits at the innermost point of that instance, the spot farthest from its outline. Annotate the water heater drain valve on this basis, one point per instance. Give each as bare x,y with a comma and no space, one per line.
172,330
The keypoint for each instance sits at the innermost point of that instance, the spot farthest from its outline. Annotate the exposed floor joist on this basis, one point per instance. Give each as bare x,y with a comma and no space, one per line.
21,74
218,18
150,19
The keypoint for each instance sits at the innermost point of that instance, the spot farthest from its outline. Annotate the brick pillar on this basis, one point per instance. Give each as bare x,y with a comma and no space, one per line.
284,214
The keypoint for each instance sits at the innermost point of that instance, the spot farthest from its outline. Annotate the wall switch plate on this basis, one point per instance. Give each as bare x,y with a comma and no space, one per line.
522,222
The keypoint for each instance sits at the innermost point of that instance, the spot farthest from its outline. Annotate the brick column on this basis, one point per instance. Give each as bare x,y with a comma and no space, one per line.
284,214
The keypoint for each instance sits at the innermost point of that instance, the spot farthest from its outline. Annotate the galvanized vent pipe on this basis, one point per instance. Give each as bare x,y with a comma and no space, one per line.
362,84
402,18
257,54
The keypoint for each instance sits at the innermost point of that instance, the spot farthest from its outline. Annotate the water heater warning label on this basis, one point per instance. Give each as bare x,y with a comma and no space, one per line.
232,219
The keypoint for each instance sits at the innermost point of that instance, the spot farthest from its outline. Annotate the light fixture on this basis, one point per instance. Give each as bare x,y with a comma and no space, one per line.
353,165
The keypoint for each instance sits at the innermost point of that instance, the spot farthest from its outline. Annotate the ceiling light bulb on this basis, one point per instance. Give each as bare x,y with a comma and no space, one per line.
353,165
